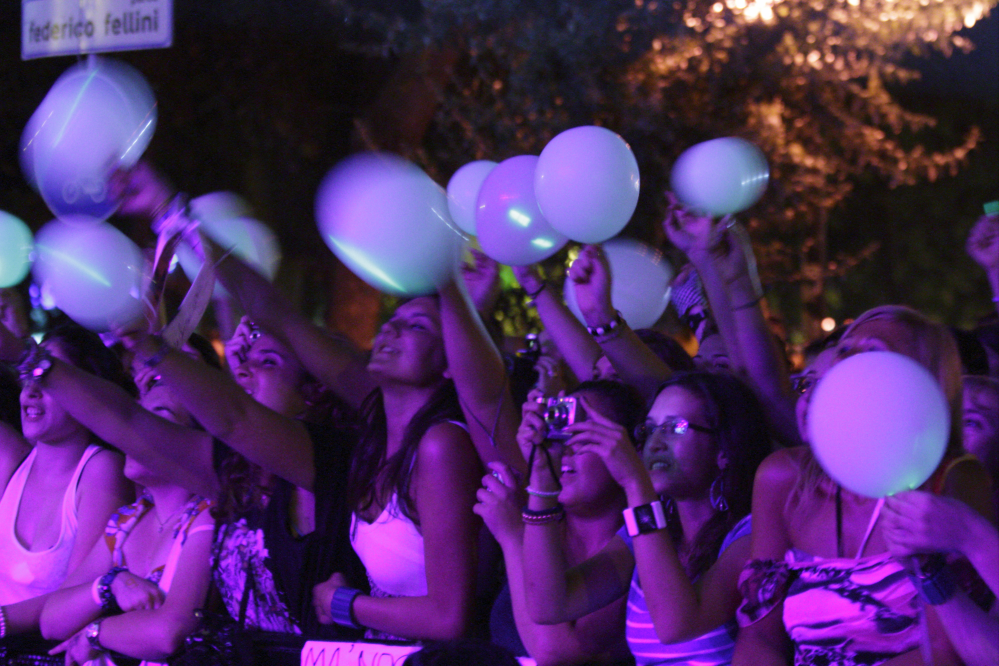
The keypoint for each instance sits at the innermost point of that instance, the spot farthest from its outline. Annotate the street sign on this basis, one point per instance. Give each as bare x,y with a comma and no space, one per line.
70,27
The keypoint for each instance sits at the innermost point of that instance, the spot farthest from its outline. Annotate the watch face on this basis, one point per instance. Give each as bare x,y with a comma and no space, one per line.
645,519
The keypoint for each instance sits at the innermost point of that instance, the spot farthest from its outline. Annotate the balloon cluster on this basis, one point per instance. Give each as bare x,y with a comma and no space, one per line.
99,116
584,187
878,423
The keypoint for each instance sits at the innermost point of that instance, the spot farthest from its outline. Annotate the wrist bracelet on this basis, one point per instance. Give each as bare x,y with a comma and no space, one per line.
543,493
604,329
93,634
342,607
645,518
935,581
532,295
543,517
750,304
3,623
104,593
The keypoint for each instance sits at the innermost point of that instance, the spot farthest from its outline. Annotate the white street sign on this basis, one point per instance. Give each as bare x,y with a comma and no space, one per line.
68,27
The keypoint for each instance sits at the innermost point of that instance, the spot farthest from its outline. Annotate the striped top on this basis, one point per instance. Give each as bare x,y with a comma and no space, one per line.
714,648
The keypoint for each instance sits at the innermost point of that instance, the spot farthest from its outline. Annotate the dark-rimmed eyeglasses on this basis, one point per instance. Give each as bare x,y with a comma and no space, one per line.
671,426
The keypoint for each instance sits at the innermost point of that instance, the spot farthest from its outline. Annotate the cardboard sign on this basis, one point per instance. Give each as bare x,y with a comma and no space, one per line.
70,27
330,653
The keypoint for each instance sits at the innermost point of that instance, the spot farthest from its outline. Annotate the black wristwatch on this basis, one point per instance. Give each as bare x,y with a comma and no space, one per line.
93,634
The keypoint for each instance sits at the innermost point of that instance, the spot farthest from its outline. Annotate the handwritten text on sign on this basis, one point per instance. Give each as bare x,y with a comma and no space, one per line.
329,653
67,27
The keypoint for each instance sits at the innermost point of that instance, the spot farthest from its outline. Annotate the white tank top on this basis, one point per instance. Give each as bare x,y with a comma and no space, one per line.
25,574
391,550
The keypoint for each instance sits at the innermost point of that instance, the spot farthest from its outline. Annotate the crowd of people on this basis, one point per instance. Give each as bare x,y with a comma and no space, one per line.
612,501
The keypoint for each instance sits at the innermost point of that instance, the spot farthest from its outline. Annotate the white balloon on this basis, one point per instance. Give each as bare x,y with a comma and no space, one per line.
640,282
587,183
387,221
463,191
98,116
93,273
878,423
720,176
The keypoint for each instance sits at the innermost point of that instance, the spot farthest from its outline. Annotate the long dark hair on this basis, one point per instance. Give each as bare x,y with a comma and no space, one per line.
369,463
736,415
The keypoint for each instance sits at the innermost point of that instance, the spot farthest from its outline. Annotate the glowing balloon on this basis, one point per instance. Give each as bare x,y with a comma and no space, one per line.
225,218
878,423
509,224
720,176
389,223
640,282
93,273
463,191
16,247
587,183
98,116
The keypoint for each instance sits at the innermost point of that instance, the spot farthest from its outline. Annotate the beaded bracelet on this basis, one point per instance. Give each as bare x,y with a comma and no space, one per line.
104,593
3,623
545,516
604,329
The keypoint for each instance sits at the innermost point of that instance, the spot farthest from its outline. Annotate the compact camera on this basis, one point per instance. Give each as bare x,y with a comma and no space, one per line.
560,413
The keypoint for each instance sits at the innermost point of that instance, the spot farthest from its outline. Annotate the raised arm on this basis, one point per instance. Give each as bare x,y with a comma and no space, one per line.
635,363
173,452
723,257
555,593
575,642
680,609
278,443
983,247
577,346
480,378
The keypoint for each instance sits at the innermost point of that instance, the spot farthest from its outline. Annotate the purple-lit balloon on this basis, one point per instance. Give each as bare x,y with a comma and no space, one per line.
93,273
587,183
510,226
640,282
16,246
878,423
226,218
463,192
720,176
99,116
389,223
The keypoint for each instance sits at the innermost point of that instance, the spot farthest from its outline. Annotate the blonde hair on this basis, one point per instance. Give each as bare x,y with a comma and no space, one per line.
936,350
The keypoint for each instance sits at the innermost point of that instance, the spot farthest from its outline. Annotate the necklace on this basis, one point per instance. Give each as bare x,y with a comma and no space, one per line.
163,523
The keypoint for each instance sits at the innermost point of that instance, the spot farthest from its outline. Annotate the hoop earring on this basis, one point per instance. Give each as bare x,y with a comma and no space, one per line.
717,494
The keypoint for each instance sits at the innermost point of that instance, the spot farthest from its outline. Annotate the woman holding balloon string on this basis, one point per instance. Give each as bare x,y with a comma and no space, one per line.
61,483
811,532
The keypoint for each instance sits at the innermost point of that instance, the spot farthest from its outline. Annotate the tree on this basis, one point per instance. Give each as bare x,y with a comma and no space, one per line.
812,83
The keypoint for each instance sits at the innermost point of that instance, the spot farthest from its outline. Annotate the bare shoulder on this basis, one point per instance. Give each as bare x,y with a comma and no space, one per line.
104,466
782,468
445,441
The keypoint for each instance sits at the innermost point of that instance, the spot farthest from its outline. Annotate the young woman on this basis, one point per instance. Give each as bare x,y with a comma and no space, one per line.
57,498
593,502
684,543
822,579
156,558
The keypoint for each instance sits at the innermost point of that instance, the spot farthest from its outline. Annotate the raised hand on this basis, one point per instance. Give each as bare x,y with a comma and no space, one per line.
482,280
237,348
500,503
590,273
141,190
694,234
609,440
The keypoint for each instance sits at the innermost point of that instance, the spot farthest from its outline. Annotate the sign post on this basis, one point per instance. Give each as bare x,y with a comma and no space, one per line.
71,27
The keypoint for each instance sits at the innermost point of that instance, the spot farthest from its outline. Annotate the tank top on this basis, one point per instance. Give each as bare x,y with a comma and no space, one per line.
25,574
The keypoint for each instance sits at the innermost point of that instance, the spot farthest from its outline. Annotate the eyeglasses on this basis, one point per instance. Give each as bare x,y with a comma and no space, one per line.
803,383
671,426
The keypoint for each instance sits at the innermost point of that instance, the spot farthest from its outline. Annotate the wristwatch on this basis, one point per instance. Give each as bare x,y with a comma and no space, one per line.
93,634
